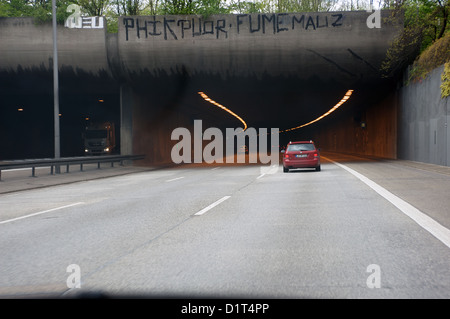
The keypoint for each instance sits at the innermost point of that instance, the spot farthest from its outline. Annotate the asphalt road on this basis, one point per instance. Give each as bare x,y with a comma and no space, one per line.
243,231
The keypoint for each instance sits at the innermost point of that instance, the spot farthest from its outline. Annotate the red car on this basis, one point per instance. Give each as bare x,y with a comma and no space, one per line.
302,154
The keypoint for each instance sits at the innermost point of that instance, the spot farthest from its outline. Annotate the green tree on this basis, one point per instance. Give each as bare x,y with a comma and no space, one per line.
128,7
202,7
243,7
445,77
41,10
179,6
96,8
425,22
303,5
152,8
117,8
269,6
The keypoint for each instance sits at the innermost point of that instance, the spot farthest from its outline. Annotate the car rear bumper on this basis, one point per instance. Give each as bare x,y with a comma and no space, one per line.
305,163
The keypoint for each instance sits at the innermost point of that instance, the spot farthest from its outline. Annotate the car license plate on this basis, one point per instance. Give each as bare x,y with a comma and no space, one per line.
301,155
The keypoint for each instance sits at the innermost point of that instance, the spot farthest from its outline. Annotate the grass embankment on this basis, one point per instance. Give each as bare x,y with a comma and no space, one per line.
434,56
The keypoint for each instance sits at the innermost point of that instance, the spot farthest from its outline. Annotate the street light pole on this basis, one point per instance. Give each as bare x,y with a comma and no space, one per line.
55,88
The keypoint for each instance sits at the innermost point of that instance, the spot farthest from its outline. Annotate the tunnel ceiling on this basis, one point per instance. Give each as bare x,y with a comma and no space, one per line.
273,70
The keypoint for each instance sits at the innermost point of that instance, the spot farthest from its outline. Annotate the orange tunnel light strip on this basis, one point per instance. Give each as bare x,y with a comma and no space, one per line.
206,98
334,108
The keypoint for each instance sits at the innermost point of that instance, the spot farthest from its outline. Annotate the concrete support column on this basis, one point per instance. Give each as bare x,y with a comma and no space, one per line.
126,120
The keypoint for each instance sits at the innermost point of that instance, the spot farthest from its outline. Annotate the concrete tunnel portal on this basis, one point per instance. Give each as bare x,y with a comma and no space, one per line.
273,70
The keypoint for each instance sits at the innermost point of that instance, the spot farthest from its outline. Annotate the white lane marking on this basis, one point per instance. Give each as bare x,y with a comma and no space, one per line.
39,213
267,170
426,222
215,168
204,210
174,179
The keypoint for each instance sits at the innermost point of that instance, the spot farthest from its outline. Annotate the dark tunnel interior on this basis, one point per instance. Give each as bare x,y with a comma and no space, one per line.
269,102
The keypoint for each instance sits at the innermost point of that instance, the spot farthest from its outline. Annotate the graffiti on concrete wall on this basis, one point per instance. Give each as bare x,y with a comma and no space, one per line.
76,21
173,28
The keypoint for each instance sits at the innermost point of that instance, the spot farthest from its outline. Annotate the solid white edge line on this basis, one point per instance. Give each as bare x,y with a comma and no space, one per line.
426,222
39,213
174,179
204,210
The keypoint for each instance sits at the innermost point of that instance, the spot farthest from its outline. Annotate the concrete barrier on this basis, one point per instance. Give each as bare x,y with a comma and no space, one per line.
424,118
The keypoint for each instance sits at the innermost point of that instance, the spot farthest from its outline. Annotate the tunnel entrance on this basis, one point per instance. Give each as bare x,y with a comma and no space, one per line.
26,122
165,103
149,82
268,102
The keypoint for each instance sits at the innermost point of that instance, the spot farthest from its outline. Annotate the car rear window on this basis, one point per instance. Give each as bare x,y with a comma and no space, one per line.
300,147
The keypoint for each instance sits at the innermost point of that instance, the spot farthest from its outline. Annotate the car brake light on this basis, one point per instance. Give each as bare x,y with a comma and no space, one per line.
315,155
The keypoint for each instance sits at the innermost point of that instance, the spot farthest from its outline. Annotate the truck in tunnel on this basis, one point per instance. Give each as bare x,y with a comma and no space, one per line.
99,138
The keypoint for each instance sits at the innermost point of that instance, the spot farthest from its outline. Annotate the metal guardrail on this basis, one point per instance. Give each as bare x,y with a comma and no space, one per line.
56,163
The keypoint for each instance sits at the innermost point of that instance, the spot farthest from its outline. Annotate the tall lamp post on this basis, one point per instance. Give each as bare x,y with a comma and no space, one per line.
55,88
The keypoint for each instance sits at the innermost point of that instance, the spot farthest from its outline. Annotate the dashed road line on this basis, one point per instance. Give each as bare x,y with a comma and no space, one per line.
40,213
204,210
174,179
268,170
